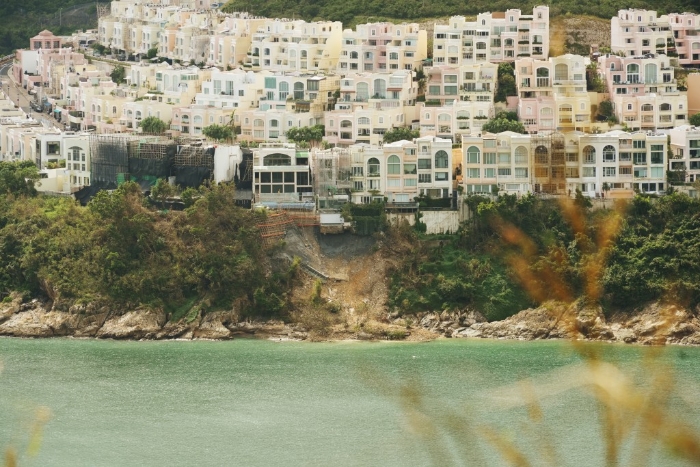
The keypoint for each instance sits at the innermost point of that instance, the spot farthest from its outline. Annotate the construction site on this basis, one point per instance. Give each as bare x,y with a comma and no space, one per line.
146,158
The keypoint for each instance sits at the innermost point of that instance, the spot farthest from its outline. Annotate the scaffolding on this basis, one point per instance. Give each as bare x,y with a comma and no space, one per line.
331,171
549,163
109,159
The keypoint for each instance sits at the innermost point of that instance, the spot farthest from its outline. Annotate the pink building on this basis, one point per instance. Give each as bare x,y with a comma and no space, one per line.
686,33
45,40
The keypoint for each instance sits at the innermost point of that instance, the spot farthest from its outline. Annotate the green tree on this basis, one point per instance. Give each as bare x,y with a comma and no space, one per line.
606,109
498,125
218,132
153,125
118,74
506,82
162,190
400,133
307,134
152,53
18,178
695,119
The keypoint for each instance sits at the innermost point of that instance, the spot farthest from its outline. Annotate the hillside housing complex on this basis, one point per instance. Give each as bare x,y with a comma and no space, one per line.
263,77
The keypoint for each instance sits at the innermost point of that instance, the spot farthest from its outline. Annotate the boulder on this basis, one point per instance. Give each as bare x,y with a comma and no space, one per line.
213,325
137,324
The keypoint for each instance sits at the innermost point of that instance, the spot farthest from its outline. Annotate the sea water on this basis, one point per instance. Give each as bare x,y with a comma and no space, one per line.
263,403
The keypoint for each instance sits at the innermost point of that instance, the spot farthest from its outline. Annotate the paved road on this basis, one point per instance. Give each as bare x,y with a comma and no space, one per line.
17,94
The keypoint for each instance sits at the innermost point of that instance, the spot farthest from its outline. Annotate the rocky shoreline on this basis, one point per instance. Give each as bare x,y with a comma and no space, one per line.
656,324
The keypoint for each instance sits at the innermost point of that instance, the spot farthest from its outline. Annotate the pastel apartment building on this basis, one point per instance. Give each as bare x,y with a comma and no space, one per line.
402,171
288,101
382,47
454,121
295,45
635,33
468,83
369,105
281,173
552,94
617,162
493,37
235,89
644,91
686,35
685,147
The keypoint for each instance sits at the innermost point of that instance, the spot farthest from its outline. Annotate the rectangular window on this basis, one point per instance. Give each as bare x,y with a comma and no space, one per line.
409,169
625,170
504,172
640,172
625,156
490,158
473,173
589,171
520,172
489,173
639,144
424,178
572,172
608,171
424,164
472,157
504,158
441,176
393,182
640,158
410,182
657,172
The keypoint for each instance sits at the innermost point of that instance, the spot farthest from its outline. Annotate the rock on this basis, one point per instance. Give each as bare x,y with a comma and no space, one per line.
363,336
213,326
137,324
177,330
448,333
91,321
27,323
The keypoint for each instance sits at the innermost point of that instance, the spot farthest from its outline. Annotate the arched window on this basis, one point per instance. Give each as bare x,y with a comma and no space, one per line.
473,155
444,118
589,155
665,107
298,91
647,108
608,154
543,72
561,72
353,55
197,119
362,92
277,159
546,111
345,124
75,152
99,109
363,121
521,155
541,155
373,167
138,115
441,160
633,73
509,43
380,89
393,165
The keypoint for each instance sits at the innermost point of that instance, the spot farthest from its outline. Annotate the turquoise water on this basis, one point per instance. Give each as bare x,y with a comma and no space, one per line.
261,403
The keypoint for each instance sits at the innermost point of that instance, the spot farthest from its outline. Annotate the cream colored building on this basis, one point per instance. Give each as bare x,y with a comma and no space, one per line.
493,37
402,171
295,45
474,82
685,149
613,164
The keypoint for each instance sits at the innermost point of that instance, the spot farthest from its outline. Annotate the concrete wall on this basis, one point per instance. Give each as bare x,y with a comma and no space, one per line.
437,222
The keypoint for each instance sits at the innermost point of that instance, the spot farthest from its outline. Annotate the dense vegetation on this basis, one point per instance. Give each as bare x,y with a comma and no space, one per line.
120,250
515,253
356,11
22,20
